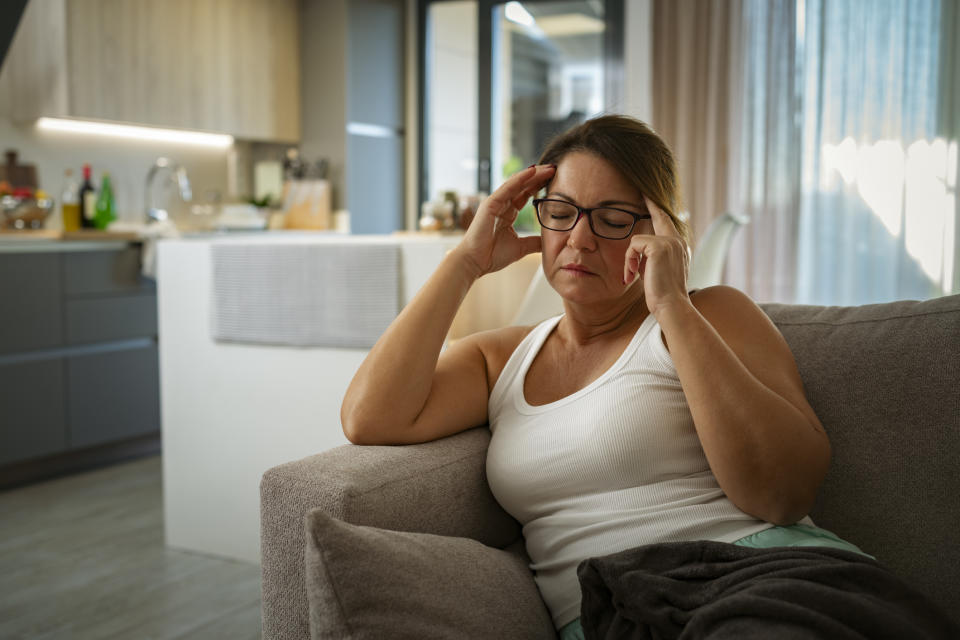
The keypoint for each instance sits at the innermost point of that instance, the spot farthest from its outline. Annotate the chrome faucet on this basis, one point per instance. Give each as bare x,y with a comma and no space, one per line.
178,173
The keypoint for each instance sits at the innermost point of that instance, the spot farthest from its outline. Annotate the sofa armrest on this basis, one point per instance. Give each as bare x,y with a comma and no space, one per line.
437,487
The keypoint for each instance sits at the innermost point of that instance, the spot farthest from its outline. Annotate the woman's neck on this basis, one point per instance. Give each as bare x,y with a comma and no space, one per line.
583,325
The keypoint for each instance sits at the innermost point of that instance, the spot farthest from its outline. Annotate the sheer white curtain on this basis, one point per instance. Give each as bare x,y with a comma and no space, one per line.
764,161
692,82
847,157
876,217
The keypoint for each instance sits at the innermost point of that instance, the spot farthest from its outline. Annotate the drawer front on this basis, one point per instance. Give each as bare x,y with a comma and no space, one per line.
111,318
31,400
31,315
113,396
104,272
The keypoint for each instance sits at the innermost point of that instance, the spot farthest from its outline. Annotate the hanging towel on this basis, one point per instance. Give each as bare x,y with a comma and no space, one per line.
306,295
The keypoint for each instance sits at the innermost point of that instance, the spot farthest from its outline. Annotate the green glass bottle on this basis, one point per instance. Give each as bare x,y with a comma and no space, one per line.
105,212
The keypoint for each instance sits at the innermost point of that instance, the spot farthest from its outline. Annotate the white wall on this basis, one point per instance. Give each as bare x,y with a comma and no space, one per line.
452,113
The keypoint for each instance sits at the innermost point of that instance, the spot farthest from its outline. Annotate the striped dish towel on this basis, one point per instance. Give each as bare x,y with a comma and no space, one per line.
316,295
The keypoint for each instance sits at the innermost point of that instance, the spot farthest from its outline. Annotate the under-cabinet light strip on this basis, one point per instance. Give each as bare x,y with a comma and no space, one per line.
136,133
372,130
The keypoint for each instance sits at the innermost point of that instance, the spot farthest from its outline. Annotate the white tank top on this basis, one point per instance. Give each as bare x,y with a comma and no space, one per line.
615,465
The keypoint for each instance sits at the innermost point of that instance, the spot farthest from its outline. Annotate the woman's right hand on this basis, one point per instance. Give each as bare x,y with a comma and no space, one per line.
491,243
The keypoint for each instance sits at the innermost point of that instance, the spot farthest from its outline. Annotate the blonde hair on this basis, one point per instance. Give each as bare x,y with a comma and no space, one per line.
638,153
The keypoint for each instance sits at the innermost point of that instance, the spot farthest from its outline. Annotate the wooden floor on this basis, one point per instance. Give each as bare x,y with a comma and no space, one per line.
83,557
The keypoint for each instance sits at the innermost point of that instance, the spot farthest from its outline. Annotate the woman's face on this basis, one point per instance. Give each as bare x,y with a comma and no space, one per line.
581,266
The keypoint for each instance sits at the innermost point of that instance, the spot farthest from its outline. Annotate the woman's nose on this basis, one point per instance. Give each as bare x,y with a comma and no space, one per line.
581,235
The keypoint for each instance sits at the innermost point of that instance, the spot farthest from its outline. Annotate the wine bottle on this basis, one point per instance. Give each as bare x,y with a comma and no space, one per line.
105,213
88,200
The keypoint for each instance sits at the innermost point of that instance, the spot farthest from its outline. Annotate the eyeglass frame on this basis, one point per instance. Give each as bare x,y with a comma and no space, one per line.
588,212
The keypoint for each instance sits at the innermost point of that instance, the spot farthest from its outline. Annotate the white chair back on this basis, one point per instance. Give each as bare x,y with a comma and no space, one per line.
710,254
540,302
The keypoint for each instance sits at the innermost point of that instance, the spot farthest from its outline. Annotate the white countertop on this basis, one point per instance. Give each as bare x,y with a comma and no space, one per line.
40,243
315,237
47,245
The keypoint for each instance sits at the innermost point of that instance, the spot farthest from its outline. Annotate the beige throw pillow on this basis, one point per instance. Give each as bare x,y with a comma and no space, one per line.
365,582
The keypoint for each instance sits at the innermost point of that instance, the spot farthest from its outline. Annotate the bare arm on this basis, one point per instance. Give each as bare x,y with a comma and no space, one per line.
762,439
406,391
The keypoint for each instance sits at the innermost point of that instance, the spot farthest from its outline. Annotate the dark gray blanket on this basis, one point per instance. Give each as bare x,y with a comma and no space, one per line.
716,590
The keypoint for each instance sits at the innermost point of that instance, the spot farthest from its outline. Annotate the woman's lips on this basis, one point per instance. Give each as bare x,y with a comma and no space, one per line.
577,269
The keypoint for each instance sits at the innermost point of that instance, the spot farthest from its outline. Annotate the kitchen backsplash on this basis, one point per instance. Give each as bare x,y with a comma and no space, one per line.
127,161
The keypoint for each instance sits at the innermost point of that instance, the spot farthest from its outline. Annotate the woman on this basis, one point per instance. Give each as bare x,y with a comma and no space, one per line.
645,413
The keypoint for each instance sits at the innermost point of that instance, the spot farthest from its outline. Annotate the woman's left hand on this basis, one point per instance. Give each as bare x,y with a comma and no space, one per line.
661,261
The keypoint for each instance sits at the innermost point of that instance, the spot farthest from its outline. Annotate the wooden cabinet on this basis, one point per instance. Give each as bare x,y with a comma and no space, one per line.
229,66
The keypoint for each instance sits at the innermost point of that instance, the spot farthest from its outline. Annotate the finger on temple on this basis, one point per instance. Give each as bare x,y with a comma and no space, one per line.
521,200
662,224
501,200
517,189
510,213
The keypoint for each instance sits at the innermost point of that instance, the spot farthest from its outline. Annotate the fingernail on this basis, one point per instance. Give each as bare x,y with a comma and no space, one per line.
531,166
552,165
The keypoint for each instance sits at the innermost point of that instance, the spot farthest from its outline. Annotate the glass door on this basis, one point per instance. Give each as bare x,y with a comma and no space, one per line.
499,79
548,73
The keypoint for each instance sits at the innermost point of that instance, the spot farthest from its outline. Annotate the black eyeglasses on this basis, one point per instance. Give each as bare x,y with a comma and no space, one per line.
606,222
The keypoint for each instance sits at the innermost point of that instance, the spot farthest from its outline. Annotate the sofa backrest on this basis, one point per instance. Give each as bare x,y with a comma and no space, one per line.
885,382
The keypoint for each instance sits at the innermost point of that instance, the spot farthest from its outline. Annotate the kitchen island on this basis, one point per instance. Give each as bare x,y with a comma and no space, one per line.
231,410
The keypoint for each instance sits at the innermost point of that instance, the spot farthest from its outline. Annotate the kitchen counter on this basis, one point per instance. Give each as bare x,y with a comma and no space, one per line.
44,240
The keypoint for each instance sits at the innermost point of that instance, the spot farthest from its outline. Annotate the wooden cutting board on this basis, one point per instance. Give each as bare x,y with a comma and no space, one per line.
18,175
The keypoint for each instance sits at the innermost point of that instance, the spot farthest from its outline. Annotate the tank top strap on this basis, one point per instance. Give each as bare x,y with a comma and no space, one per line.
520,361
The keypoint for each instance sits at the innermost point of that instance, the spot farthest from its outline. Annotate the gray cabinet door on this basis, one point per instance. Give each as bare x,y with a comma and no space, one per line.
102,319
113,395
104,272
32,421
31,316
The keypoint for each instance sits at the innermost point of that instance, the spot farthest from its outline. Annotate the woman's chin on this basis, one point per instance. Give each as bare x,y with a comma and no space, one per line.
579,293
591,293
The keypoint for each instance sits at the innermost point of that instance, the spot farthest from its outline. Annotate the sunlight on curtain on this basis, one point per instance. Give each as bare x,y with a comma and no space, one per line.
877,202
846,151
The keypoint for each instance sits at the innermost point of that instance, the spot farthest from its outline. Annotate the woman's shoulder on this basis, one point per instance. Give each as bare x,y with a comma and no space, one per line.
723,302
497,345
738,319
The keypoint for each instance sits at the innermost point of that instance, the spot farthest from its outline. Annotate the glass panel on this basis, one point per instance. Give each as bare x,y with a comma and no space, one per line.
548,76
451,60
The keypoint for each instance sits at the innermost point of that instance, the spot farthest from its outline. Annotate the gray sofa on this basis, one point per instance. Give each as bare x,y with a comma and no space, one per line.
884,379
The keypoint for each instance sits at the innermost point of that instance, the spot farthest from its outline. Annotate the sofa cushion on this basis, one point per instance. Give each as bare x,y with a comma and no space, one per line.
365,582
885,382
